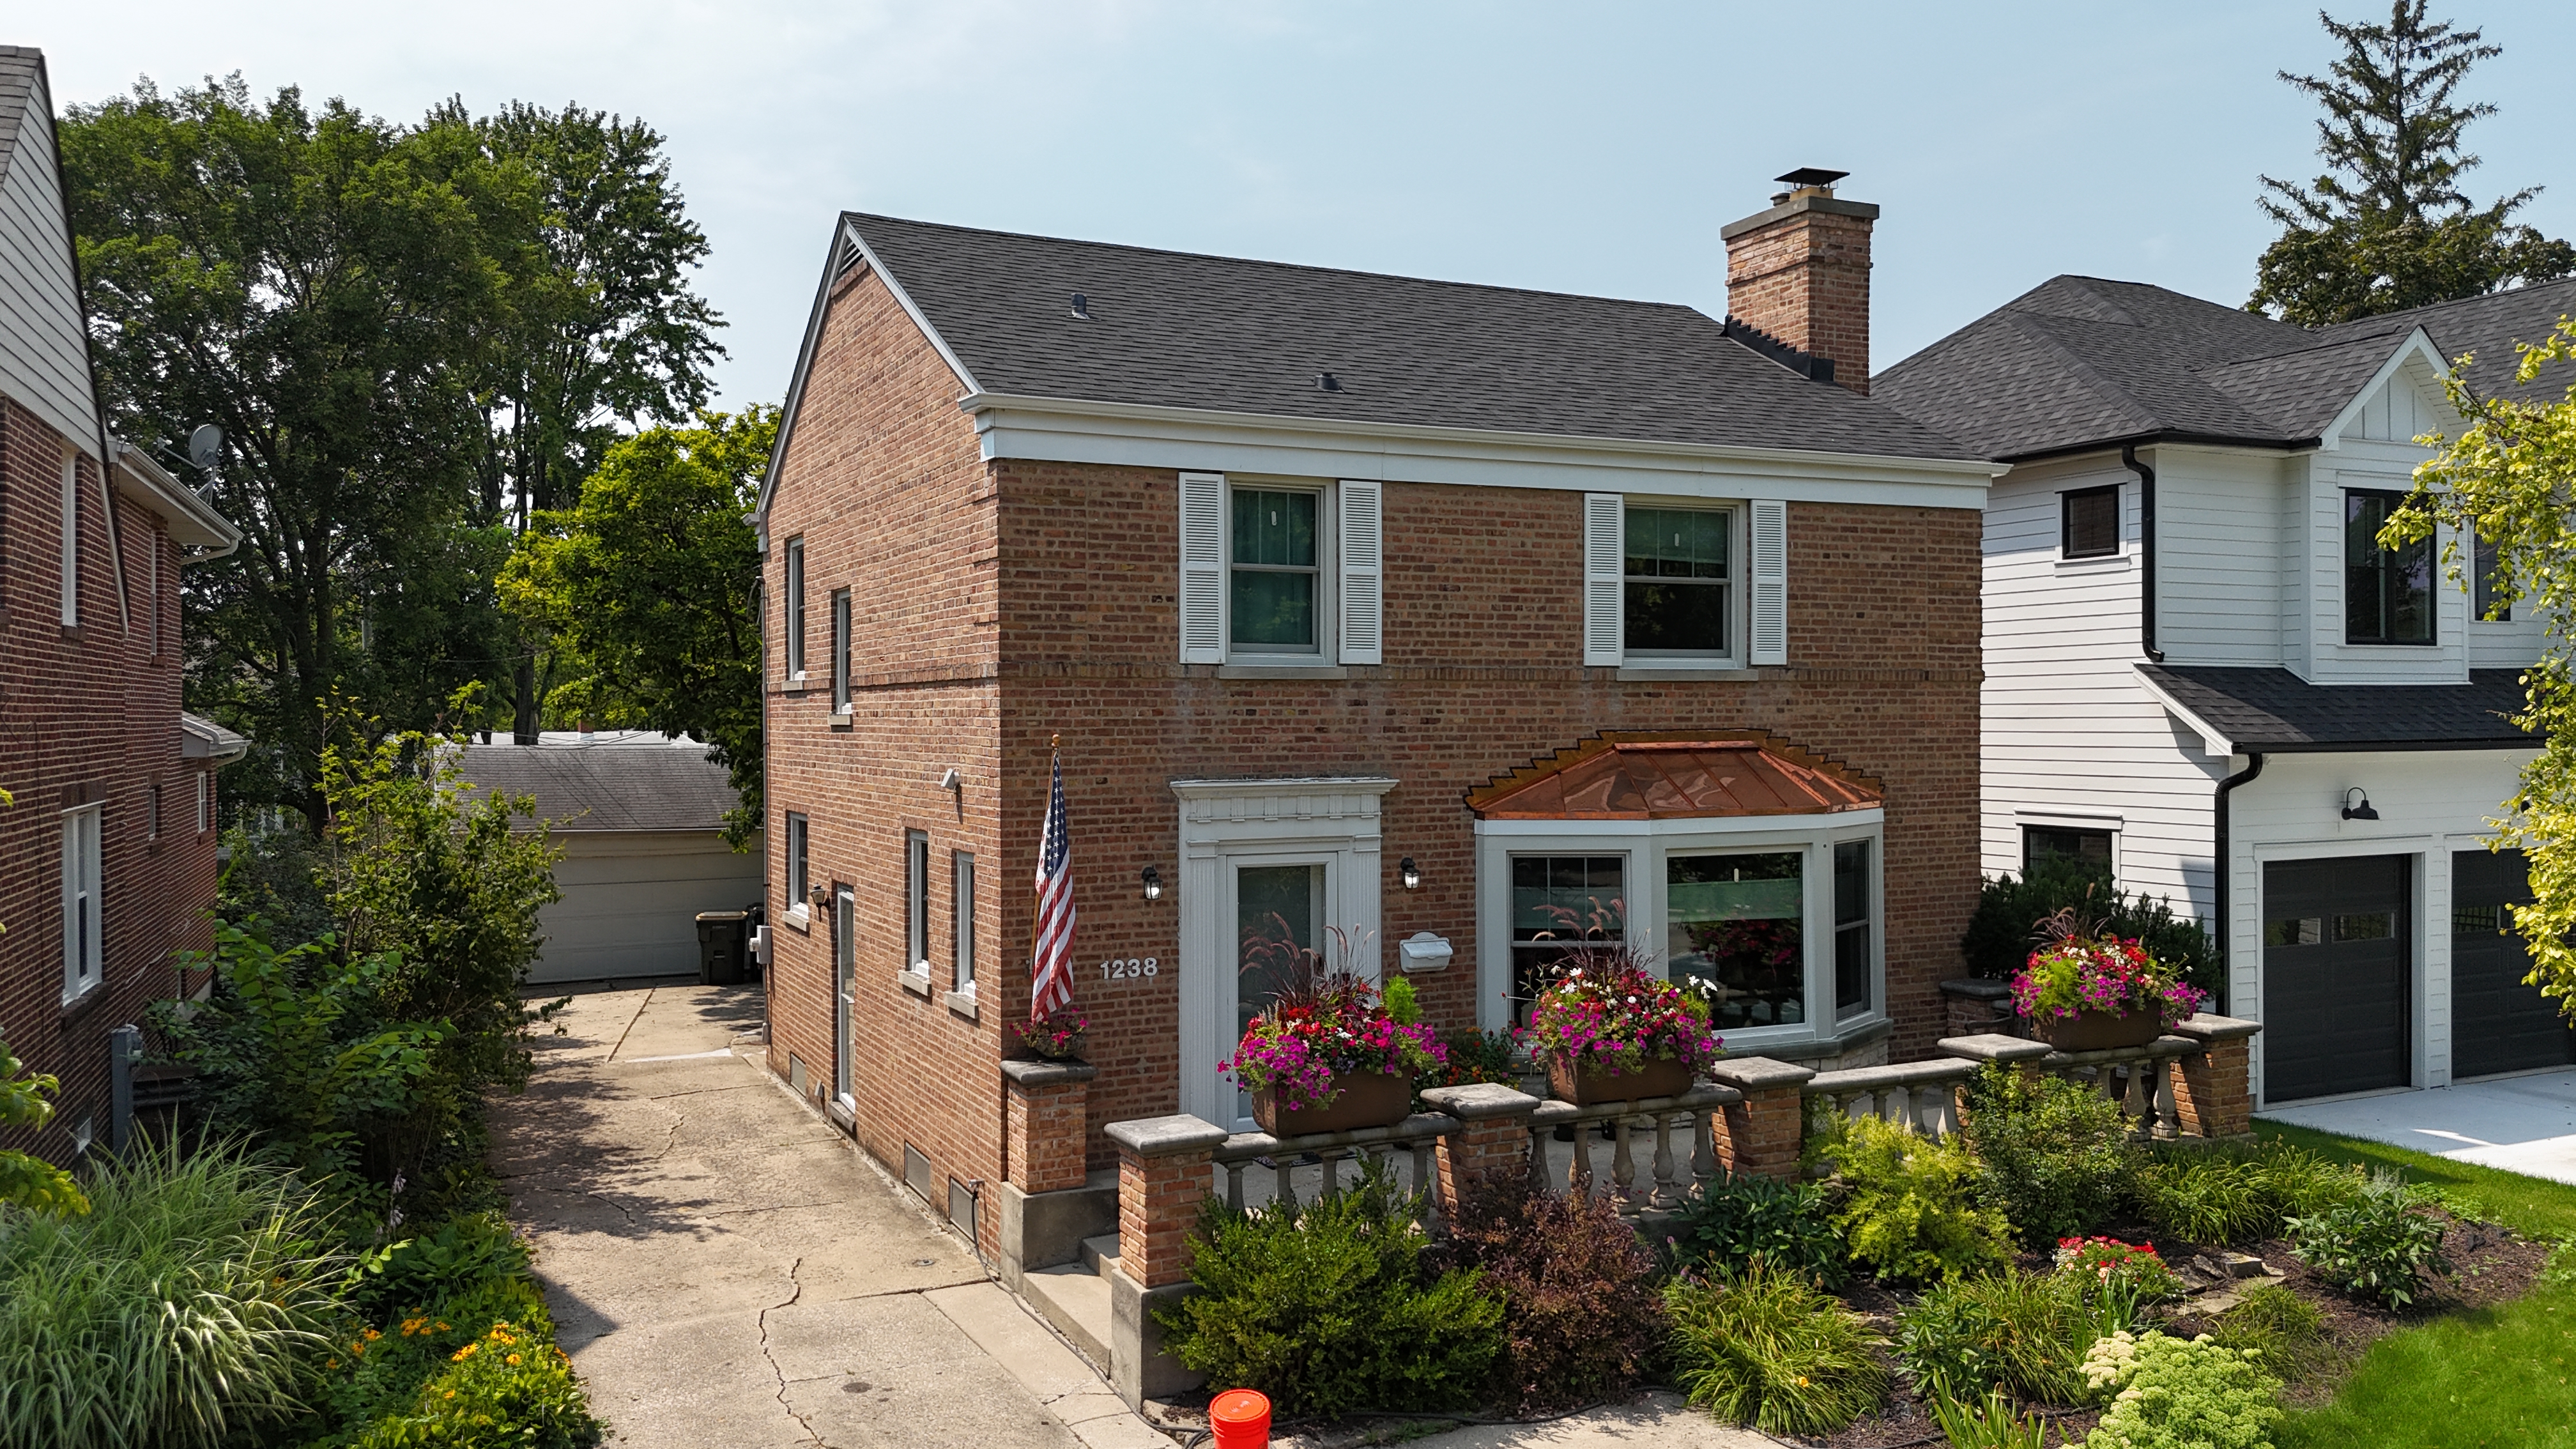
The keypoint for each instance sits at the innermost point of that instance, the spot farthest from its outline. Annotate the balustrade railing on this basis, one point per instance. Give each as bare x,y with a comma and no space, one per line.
1686,1116
1284,1160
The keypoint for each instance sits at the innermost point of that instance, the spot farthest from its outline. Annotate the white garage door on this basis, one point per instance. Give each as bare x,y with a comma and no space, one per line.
631,899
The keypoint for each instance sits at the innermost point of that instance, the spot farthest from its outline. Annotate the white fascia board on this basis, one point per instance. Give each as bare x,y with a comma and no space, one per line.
1802,825
1059,430
191,519
2418,343
2213,741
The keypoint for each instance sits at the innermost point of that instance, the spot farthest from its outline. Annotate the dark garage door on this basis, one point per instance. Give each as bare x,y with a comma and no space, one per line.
2498,1024
2336,975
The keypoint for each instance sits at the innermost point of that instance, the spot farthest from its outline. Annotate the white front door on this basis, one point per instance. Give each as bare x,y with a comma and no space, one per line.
1281,912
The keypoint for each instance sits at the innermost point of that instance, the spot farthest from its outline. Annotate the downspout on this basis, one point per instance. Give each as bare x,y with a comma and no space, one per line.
2147,570
2226,866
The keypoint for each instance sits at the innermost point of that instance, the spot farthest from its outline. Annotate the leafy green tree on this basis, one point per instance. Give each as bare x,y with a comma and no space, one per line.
2509,480
650,584
28,1181
2387,227
308,280
597,330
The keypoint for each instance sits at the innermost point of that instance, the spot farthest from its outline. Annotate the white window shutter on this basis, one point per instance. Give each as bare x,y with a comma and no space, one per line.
1363,554
1770,610
1202,568
1605,526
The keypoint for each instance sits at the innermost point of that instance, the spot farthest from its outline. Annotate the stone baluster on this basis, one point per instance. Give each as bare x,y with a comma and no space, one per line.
2168,1126
1425,1151
1623,1162
1668,1188
1332,1158
1234,1184
1703,1145
1283,1189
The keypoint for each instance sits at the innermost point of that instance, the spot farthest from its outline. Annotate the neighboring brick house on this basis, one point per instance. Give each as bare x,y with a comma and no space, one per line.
107,858
1412,610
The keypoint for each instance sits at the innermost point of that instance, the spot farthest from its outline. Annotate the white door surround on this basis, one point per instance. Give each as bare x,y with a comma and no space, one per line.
1331,822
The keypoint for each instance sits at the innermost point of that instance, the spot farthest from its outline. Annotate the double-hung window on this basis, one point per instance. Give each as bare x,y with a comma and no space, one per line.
1280,573
1855,933
1682,584
916,902
84,934
2388,592
961,897
800,869
841,651
794,586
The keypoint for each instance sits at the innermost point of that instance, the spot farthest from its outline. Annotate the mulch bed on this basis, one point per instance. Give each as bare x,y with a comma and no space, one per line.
2490,1265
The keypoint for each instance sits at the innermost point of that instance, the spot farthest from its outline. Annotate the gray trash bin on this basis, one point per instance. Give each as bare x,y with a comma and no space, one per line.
720,946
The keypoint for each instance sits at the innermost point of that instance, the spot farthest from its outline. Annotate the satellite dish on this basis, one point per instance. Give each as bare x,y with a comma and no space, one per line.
205,445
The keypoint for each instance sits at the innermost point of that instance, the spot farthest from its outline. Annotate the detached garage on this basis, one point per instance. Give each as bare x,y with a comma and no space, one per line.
640,818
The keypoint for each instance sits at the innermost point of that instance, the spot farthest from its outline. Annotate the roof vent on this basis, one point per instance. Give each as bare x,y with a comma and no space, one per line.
1328,382
1081,307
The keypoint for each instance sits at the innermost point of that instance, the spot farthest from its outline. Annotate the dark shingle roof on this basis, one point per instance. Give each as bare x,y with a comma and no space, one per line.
22,67
2077,362
1172,329
621,787
2274,710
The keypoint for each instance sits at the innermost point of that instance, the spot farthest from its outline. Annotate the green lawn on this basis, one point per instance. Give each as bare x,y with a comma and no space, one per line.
2504,1376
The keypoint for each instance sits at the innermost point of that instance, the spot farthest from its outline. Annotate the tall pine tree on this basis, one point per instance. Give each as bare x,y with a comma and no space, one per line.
2387,227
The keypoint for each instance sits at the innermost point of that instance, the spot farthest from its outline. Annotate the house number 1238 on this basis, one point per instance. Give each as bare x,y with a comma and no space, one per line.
1131,966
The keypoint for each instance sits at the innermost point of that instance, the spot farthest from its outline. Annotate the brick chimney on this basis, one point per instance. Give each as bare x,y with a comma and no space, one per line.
1800,272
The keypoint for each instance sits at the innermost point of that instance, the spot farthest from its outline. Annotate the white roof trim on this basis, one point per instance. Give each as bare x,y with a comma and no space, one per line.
2418,343
202,739
192,520
2213,741
1069,430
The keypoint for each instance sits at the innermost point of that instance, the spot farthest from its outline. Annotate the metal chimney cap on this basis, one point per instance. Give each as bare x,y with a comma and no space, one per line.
1812,176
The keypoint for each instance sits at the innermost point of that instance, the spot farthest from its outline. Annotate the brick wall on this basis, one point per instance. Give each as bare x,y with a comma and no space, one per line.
1000,605
88,713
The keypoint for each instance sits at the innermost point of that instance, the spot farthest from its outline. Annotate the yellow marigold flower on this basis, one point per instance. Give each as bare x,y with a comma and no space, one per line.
331,1363
462,1354
514,1358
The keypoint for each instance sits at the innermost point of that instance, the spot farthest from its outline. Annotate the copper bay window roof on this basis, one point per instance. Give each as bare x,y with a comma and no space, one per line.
1674,777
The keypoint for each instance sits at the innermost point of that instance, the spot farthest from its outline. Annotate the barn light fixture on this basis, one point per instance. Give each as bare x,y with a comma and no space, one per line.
1410,874
2356,805
1153,884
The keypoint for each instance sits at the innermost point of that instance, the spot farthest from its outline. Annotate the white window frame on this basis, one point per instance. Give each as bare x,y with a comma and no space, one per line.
1757,583
205,801
84,901
916,903
843,627
793,585
961,915
1739,597
1350,595
799,865
1327,568
1649,845
154,541
71,539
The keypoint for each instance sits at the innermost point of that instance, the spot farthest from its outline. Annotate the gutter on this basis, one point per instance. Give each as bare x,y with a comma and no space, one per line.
2226,868
2146,553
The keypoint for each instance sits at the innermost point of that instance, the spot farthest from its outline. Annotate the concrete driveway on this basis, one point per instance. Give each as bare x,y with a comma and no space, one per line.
727,1270
2522,1124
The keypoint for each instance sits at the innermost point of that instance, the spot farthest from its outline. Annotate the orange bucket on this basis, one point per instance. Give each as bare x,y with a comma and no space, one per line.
1241,1419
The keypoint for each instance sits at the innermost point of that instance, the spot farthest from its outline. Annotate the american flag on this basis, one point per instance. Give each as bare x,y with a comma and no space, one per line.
1051,955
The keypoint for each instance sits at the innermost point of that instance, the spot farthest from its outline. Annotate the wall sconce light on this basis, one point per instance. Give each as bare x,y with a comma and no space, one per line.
822,897
1410,874
1153,884
952,781
2356,805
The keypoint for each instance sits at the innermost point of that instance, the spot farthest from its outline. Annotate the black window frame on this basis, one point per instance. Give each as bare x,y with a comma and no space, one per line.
2067,546
2110,839
794,585
2483,560
2387,564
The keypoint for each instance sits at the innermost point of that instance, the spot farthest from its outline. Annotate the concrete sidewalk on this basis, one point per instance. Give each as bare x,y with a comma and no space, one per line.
2522,1124
728,1270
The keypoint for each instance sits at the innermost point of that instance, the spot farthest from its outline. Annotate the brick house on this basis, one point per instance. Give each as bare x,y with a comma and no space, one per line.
107,858
1402,620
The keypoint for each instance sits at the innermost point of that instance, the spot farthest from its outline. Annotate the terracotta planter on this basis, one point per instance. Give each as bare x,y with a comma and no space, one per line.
2094,1031
1360,1099
1657,1078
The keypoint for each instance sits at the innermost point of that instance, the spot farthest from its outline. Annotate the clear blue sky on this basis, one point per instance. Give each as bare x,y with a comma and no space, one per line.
1577,148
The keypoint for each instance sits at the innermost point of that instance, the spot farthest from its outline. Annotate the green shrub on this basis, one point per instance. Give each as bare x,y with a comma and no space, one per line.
506,1386
1909,1207
2274,1322
1726,1221
2172,1393
2378,1246
1987,1424
2233,1195
468,1249
1581,1317
1998,942
2054,1156
2024,1332
26,1105
1331,1307
1772,1350
186,1307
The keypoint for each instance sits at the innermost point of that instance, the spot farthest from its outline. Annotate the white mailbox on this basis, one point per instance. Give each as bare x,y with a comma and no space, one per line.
1424,951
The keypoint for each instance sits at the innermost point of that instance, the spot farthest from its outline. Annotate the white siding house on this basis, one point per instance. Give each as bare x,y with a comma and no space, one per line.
2200,667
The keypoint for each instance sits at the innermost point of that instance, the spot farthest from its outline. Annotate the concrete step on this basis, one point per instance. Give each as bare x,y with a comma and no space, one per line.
1100,1254
1075,1298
